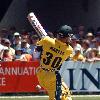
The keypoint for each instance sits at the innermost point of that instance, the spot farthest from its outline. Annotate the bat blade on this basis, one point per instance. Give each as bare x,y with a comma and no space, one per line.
36,25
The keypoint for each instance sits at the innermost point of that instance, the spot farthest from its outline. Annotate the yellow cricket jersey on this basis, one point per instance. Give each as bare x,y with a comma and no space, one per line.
54,52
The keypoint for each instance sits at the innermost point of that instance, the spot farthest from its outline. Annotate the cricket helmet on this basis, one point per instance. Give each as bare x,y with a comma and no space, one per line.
64,31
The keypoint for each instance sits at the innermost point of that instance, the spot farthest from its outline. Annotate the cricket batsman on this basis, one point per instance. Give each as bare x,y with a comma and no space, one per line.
54,51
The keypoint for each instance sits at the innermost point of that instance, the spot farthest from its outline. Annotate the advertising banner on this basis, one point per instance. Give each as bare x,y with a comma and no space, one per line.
81,77
18,76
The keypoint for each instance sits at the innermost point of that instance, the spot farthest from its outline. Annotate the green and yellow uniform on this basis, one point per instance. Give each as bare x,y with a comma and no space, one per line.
54,53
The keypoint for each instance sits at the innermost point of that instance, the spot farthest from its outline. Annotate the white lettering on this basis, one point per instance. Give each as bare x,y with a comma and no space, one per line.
2,81
1,71
17,70
25,72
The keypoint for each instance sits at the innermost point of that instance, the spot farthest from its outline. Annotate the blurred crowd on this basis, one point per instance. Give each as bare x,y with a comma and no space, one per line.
21,46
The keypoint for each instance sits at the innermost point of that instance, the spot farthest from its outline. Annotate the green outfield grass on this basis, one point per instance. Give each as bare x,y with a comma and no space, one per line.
46,98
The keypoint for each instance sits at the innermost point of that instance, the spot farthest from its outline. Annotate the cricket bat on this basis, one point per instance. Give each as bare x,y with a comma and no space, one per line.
36,25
